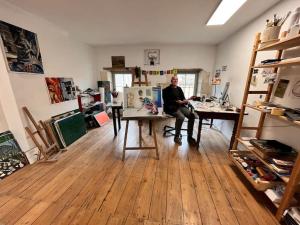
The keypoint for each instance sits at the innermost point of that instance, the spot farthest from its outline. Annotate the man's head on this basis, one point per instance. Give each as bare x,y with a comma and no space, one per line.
174,81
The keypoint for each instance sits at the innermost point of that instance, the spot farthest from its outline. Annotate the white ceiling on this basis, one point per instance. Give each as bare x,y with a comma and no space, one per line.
101,22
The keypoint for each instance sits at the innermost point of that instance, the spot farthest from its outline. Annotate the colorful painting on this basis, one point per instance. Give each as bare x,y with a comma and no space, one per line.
11,156
21,49
61,89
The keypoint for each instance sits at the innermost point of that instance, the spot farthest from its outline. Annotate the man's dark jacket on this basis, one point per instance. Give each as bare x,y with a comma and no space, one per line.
170,96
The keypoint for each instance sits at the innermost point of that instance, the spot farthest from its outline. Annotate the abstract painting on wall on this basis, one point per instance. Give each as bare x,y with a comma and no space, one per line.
60,89
11,156
21,49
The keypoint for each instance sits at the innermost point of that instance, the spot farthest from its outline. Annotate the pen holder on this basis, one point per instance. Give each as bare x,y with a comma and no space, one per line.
270,34
277,111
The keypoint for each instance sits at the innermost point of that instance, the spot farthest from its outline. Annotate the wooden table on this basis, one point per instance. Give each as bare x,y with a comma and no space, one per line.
140,116
216,112
116,107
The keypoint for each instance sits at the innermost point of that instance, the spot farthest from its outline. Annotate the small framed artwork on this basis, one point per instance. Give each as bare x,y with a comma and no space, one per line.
152,57
118,61
281,88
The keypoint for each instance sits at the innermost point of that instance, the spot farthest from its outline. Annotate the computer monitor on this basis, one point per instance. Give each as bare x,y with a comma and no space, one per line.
224,93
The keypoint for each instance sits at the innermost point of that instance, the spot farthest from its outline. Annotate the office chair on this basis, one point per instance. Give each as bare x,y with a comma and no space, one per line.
170,130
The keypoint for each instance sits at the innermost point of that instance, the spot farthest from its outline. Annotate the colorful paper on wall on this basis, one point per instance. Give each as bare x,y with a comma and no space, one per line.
160,72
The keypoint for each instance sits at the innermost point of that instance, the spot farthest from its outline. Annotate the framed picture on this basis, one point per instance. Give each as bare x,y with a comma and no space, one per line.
152,57
21,49
118,61
281,88
60,89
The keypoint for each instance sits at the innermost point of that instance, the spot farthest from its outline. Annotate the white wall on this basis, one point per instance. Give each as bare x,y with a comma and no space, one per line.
62,55
171,56
3,123
235,52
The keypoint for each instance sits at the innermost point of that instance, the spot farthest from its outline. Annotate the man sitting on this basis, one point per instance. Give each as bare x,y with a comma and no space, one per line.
175,104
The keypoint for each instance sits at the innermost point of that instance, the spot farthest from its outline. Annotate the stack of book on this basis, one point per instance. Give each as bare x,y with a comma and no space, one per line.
272,148
292,216
282,167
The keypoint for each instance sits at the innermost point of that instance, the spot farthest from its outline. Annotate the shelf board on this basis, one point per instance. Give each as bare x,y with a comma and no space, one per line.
283,44
258,186
256,108
283,63
282,118
249,148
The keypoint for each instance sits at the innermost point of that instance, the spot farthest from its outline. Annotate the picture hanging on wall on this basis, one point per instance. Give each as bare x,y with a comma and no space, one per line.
152,57
281,88
118,61
295,90
11,156
21,49
216,80
61,89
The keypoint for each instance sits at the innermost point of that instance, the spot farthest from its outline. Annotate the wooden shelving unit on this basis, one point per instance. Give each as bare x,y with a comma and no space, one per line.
291,182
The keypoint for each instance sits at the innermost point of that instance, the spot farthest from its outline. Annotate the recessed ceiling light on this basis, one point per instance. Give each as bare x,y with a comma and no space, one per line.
224,11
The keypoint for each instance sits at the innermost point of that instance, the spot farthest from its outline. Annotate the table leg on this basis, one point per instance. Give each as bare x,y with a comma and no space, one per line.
150,127
211,122
236,121
155,140
114,120
199,133
119,118
125,140
140,122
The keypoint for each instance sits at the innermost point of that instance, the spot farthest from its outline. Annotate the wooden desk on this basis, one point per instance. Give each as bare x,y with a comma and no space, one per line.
204,112
140,116
116,107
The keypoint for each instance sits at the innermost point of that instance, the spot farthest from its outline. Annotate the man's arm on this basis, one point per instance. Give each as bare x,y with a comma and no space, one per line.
182,100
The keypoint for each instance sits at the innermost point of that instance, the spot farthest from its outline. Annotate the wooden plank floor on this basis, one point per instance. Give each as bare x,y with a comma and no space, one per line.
91,185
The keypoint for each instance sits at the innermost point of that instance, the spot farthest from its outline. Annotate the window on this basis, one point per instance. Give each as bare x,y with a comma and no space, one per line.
187,81
121,80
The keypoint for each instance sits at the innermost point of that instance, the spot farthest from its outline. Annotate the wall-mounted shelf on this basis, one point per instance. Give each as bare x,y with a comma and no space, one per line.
283,44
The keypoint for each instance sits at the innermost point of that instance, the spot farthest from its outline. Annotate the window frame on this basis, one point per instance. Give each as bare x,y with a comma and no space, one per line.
119,72
191,71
